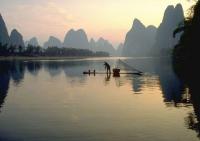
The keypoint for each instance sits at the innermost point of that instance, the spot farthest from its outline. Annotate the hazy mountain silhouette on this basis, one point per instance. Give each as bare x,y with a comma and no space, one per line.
92,44
53,42
119,49
173,16
33,42
76,39
4,37
139,40
102,45
16,39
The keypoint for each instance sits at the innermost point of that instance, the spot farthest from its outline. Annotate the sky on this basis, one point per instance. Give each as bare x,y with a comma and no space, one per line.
110,19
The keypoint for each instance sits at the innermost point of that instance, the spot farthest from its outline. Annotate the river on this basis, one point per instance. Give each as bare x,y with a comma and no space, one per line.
52,100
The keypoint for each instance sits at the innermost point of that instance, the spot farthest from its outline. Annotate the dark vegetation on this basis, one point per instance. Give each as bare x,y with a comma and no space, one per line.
186,52
34,51
186,62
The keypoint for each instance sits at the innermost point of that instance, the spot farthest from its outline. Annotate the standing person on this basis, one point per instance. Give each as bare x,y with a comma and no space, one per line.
107,67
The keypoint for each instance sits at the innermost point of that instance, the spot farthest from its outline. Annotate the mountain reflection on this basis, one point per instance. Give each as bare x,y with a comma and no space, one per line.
158,73
4,81
157,70
193,118
172,88
53,68
17,70
33,67
137,84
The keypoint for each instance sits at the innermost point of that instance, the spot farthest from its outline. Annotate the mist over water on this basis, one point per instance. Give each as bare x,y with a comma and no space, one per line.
53,100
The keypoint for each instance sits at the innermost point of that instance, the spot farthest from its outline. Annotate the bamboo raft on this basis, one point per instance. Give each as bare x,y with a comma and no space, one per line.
114,73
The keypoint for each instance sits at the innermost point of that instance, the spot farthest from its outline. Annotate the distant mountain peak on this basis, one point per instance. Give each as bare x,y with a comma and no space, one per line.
101,38
52,37
169,7
137,24
34,38
139,40
102,45
179,6
92,39
179,11
136,21
173,16
33,41
14,31
16,39
76,39
4,37
80,30
71,31
1,17
168,13
53,42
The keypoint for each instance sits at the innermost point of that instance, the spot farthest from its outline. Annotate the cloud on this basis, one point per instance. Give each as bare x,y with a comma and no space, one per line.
49,13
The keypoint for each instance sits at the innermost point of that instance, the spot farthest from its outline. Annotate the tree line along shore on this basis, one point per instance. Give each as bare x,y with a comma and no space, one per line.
37,52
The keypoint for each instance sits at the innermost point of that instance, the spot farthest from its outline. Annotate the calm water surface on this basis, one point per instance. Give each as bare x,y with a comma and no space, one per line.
54,101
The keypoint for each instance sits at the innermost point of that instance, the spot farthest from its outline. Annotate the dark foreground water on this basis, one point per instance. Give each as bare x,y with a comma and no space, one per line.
54,101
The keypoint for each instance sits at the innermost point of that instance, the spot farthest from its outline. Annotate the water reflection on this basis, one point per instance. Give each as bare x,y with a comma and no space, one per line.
193,118
107,77
53,68
33,67
191,77
157,69
4,82
157,73
138,82
172,88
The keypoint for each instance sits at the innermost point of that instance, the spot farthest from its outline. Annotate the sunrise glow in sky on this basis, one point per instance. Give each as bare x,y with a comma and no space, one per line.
110,19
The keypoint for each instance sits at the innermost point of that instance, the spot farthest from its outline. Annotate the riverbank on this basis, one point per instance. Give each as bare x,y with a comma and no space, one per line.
11,58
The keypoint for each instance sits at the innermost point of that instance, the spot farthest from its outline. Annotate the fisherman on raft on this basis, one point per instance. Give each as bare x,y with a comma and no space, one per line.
107,67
